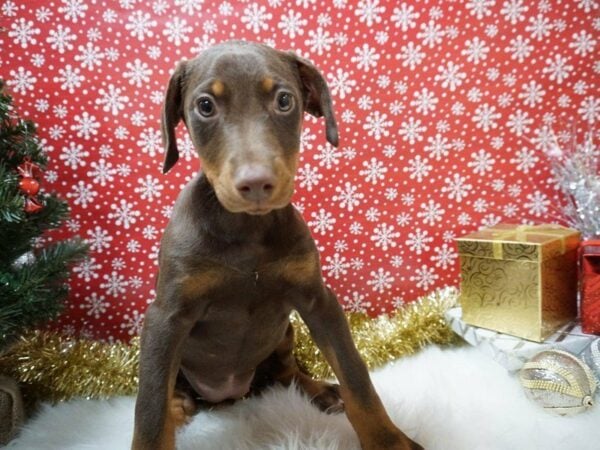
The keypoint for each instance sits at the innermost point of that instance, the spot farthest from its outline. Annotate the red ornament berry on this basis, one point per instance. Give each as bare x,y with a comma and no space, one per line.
32,205
29,186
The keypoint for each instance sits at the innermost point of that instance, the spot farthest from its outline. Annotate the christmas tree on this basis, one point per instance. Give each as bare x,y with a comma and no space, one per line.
33,271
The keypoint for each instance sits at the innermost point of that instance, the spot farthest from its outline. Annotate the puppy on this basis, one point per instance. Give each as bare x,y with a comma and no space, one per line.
236,257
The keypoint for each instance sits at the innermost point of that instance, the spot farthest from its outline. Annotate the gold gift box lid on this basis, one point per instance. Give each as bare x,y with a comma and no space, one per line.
519,242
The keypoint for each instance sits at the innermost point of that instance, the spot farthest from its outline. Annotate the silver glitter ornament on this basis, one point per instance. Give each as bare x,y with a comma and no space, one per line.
559,381
591,356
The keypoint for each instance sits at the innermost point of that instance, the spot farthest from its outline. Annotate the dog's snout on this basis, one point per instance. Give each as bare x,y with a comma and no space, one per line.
255,183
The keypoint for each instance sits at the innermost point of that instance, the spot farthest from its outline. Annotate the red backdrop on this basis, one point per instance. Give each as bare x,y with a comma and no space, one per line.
442,108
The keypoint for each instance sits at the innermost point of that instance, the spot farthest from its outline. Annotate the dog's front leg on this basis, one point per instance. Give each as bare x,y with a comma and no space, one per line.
328,326
160,356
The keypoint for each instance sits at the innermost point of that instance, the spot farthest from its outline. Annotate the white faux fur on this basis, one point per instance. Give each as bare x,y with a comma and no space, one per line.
445,399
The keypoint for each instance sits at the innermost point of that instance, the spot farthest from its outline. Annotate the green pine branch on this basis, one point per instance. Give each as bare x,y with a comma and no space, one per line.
32,289
34,292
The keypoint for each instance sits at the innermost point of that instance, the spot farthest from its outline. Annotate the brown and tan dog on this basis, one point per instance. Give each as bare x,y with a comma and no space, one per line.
236,257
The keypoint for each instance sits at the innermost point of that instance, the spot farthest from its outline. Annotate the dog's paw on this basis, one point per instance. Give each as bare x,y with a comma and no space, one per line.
329,399
182,407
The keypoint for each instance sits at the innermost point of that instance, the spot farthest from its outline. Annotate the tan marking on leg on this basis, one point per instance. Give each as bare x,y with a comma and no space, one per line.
217,88
267,84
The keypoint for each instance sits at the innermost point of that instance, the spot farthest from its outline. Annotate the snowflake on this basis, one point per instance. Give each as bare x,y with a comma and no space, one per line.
476,50
115,284
90,56
369,11
139,25
513,11
85,125
425,101
583,43
320,41
138,73
322,222
149,188
309,176
384,236
87,269
532,93
73,9
381,280
456,187
22,81
73,155
537,203
418,168
95,304
376,125
336,266
357,303
557,68
255,17
292,23
23,32
365,57
431,212
328,156
177,31
348,197
411,55
444,256
438,146
431,33
60,39
481,162
404,16
418,241
519,122
450,76
485,117
82,194
69,78
480,8
340,83
424,277
412,130
124,214
111,99
190,7
99,239
539,27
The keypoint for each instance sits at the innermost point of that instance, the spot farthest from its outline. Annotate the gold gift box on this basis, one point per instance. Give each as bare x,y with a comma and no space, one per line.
518,279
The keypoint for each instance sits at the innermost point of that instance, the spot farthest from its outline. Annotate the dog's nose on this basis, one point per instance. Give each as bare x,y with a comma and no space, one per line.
255,183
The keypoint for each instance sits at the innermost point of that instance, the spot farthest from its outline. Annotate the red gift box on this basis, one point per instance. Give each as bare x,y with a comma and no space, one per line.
590,286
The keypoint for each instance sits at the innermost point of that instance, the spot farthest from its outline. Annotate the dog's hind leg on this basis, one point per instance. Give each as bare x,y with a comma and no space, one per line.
281,367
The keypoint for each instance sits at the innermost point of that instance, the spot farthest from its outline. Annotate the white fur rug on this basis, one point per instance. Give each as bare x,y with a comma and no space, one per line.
445,399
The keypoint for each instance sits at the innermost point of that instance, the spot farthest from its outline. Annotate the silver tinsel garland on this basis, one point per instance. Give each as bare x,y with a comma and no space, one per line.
576,169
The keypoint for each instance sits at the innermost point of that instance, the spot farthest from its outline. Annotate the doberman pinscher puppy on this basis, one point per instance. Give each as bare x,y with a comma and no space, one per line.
236,257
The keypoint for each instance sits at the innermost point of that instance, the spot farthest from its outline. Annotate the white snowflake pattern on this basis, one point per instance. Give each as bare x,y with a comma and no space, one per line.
348,196
95,304
384,236
380,280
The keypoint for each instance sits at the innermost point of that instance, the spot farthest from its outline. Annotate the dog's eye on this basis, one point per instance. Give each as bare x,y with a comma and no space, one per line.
285,101
206,107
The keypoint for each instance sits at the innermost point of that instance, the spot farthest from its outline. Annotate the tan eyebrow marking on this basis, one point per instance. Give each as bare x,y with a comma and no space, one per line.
267,84
217,88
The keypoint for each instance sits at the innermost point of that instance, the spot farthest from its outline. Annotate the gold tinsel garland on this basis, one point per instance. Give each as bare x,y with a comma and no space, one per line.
53,367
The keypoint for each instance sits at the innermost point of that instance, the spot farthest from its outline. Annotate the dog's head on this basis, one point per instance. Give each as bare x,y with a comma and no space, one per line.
243,105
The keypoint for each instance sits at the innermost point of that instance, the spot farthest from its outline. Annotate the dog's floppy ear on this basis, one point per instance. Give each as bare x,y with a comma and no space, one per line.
317,100
172,113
